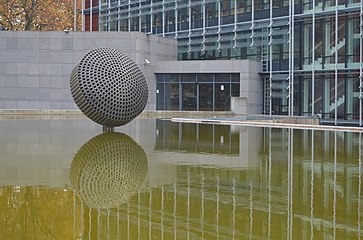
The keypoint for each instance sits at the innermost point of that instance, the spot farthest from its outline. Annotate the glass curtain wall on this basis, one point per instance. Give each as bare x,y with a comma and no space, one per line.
302,45
196,92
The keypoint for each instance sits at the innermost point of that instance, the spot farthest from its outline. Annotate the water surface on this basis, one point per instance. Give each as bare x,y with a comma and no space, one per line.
154,179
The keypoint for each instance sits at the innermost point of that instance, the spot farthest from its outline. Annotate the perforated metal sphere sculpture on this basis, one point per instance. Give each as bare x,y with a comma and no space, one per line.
108,87
107,170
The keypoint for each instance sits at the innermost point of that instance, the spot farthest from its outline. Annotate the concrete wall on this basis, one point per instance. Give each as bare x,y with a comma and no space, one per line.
35,66
251,85
250,100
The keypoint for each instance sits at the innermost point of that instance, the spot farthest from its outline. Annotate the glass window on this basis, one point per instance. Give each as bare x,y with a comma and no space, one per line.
211,10
157,23
189,77
202,92
206,97
183,19
197,16
222,78
160,96
170,21
145,23
235,90
124,25
235,77
222,97
352,99
189,96
353,47
205,77
134,24
171,96
227,11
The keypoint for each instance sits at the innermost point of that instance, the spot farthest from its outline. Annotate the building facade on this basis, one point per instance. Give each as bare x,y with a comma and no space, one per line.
35,68
310,50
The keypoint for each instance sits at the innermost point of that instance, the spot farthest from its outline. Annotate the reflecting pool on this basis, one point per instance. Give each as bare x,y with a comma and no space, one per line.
156,179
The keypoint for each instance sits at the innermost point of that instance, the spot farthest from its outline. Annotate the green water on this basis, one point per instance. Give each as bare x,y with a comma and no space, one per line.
154,179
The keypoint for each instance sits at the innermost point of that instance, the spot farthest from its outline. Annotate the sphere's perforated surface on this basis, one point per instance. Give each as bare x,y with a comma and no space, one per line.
108,87
108,170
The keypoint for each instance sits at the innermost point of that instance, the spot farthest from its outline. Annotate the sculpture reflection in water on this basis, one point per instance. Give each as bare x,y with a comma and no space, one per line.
108,170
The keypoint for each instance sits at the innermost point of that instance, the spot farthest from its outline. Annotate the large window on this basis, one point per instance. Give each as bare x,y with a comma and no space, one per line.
196,92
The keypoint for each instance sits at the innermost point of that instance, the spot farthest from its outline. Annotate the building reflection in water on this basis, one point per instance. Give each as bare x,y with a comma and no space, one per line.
255,183
308,185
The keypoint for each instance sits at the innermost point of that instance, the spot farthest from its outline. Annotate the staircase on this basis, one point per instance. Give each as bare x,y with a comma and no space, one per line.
340,101
341,43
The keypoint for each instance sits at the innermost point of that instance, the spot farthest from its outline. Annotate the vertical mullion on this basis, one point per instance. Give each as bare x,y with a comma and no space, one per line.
313,65
336,65
289,88
75,16
252,21
118,16
270,60
292,55
140,17
204,19
189,26
163,18
176,18
360,62
235,26
83,25
128,17
90,19
151,16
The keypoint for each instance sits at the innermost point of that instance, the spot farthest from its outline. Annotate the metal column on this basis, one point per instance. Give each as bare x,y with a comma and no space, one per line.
270,46
360,63
336,65
163,18
290,56
313,65
83,27
90,15
252,23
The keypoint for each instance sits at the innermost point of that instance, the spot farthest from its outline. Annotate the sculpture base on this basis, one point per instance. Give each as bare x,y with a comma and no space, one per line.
108,129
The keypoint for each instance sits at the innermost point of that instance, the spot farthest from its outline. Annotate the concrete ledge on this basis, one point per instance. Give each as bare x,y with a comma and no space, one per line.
266,123
172,114
77,114
311,120
39,112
